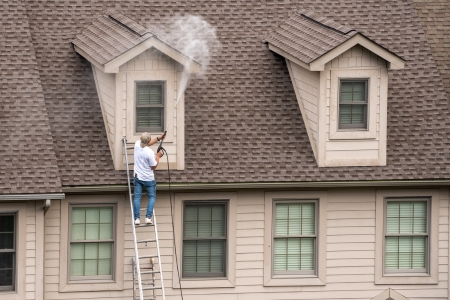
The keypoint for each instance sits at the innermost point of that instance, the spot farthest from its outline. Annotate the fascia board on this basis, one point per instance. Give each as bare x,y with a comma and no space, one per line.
288,56
395,62
23,197
113,65
192,65
89,58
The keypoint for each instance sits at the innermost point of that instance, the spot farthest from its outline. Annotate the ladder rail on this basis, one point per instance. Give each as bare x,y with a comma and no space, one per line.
159,255
136,253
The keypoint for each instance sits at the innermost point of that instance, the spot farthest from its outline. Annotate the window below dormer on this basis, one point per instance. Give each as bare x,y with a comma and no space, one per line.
353,104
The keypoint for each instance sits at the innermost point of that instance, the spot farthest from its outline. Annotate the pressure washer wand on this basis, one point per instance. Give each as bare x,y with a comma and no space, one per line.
160,144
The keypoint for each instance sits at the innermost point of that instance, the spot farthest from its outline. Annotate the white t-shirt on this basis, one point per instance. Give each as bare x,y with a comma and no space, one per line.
144,159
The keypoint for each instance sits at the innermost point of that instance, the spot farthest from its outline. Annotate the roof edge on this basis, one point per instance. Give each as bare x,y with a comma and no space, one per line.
395,61
263,185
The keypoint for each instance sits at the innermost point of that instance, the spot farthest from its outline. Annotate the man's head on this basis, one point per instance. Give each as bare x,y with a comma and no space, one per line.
145,138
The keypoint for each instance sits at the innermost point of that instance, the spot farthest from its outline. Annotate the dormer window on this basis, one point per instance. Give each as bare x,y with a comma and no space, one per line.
353,104
340,78
150,106
137,75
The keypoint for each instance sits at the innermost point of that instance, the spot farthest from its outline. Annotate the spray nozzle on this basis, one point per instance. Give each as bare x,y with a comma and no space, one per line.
160,145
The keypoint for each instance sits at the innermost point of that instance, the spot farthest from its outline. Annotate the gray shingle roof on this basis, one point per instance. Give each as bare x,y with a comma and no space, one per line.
243,123
28,162
109,36
307,36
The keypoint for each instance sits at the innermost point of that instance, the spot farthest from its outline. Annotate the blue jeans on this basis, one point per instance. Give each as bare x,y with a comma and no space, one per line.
151,191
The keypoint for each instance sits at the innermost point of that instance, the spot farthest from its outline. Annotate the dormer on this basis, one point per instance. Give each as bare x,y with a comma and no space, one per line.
340,78
137,76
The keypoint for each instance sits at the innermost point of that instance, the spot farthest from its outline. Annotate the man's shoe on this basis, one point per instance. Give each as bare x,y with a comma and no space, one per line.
137,222
148,221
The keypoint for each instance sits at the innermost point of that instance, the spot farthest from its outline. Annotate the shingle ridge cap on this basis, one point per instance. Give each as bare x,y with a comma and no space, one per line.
313,17
142,31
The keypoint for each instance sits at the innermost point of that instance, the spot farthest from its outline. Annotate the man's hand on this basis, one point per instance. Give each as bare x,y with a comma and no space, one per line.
161,137
159,154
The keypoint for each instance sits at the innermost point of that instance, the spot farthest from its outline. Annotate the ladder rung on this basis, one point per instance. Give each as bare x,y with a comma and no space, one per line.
145,241
151,288
143,225
131,164
149,272
148,256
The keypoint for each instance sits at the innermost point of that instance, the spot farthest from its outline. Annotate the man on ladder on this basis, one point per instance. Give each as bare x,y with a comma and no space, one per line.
145,162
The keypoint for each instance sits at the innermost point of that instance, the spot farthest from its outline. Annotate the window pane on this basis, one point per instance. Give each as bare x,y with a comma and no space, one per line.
149,117
77,251
106,215
6,277
78,215
204,220
353,91
92,231
294,219
405,252
6,223
149,94
204,256
77,267
293,254
78,232
6,231
406,217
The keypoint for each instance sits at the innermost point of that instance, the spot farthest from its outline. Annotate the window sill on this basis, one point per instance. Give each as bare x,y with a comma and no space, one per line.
406,278
196,283
90,286
294,280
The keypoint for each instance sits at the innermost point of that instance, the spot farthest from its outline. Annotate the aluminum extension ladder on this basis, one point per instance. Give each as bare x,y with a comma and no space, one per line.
147,265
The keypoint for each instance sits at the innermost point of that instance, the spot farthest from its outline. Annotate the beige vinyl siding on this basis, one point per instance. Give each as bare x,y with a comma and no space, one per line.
350,252
164,68
356,148
306,85
105,83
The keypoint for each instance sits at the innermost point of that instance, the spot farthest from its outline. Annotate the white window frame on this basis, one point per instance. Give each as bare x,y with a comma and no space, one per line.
20,211
114,224
13,250
162,84
91,284
407,277
296,278
169,78
377,98
229,281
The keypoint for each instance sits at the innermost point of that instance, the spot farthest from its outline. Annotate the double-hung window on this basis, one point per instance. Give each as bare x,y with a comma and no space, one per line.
294,242
406,236
150,106
353,103
7,251
204,239
92,242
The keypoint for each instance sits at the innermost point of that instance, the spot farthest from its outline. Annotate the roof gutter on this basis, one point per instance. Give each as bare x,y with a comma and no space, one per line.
19,197
262,185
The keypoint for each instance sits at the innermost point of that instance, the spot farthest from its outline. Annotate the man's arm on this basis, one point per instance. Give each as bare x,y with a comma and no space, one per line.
157,157
156,139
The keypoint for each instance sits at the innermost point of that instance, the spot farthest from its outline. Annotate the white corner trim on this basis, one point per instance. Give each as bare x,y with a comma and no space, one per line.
394,61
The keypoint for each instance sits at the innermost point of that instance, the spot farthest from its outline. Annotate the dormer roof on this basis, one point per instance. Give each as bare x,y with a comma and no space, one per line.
113,39
311,41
